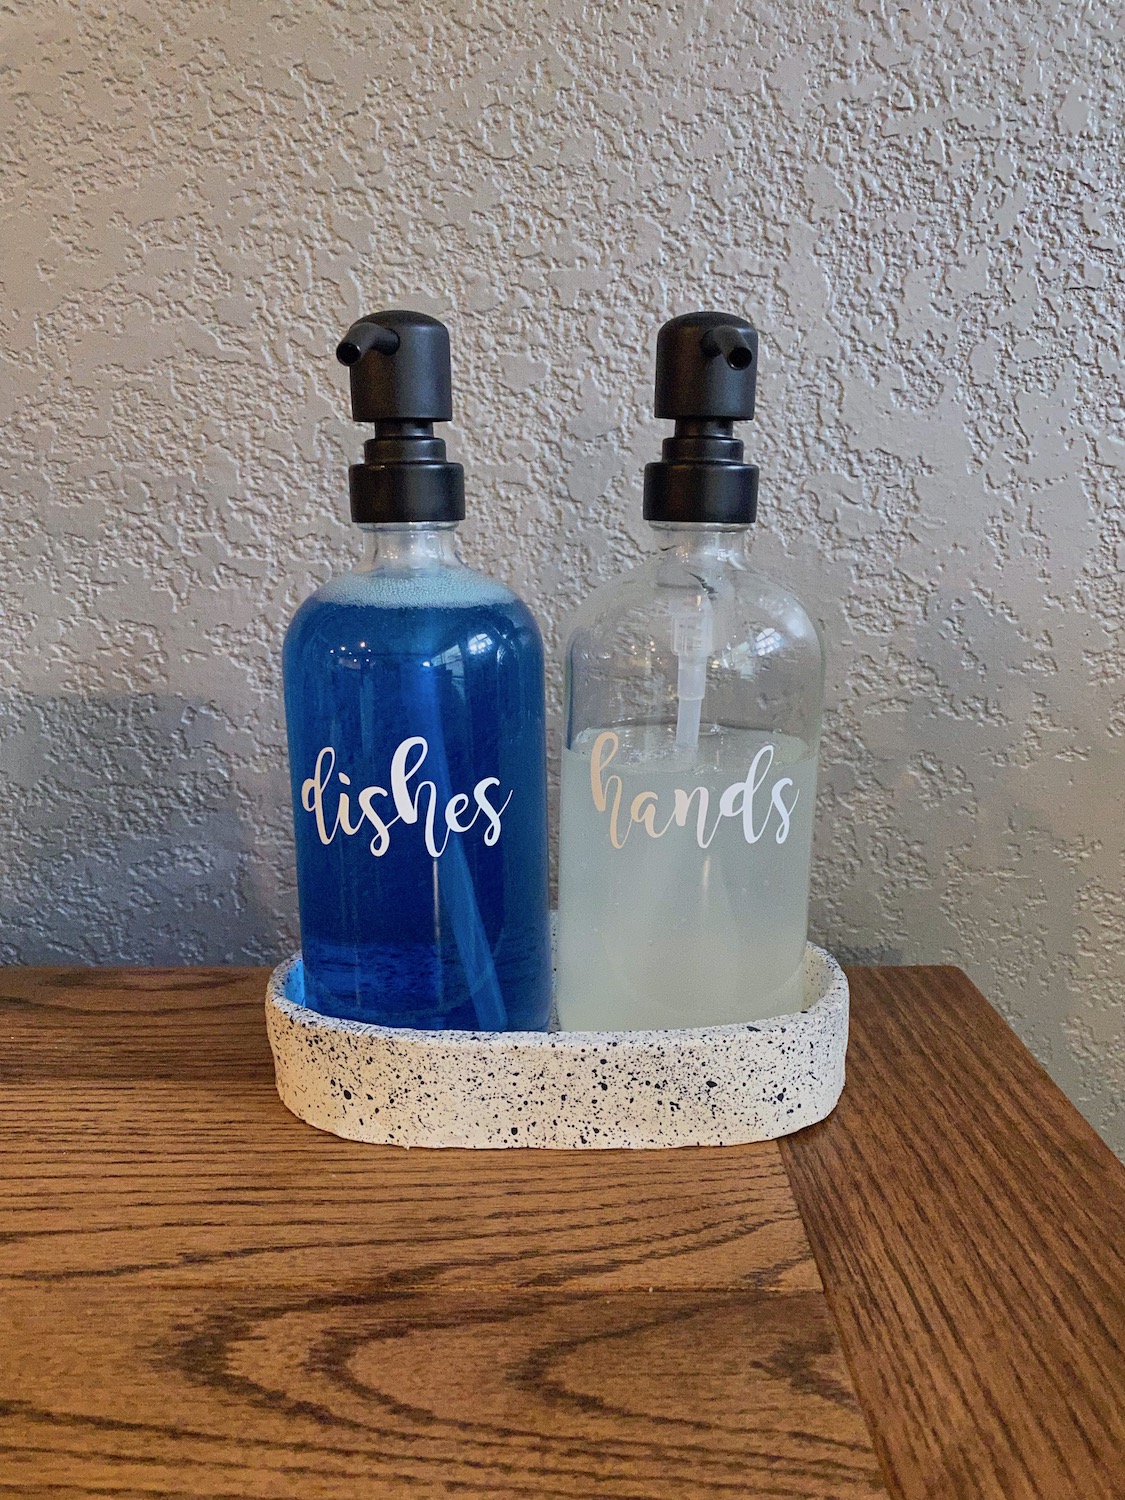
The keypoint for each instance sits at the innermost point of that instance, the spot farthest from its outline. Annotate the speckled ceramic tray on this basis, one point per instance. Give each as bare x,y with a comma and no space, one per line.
707,1086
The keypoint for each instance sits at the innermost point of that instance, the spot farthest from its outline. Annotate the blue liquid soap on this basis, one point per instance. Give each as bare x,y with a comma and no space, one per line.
414,700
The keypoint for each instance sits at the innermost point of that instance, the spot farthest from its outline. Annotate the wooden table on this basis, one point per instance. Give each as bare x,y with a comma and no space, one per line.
923,1296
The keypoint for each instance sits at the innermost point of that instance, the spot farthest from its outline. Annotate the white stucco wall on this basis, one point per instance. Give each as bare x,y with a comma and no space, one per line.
917,205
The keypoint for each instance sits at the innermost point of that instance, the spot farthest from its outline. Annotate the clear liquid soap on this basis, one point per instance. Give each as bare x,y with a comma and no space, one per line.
694,690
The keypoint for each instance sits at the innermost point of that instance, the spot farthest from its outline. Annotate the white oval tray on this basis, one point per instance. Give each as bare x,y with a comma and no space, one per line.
705,1086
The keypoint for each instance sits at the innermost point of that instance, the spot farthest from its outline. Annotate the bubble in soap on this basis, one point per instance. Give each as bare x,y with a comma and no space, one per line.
417,588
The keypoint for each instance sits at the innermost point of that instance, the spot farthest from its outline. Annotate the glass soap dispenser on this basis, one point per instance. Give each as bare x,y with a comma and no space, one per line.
694,689
414,708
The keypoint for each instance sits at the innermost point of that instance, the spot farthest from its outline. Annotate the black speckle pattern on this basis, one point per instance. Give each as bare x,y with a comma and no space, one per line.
708,1086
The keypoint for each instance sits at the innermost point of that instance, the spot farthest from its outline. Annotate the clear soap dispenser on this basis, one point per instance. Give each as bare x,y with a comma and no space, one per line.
694,689
414,707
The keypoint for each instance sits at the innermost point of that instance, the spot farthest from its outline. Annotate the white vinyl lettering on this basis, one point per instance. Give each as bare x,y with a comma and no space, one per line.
414,799
742,799
480,794
785,812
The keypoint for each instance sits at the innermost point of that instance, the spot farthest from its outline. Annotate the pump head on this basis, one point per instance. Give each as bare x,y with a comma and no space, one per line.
706,378
399,367
400,380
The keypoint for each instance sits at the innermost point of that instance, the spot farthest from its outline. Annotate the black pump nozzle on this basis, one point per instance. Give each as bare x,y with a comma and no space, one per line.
400,380
399,365
737,346
706,379
364,336
707,366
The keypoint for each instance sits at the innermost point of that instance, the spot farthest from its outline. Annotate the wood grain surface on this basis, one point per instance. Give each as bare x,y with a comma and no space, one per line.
970,1230
285,1392
204,1297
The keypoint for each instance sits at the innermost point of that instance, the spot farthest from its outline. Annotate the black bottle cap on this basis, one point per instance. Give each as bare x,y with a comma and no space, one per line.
706,377
400,379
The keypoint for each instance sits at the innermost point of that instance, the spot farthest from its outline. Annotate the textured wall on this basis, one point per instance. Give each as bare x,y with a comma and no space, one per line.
918,207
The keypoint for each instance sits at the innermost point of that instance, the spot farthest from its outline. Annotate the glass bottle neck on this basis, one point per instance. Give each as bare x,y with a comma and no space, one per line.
688,544
412,545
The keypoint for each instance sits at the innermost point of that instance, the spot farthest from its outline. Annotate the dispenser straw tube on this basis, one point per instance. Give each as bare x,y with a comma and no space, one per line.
692,634
453,883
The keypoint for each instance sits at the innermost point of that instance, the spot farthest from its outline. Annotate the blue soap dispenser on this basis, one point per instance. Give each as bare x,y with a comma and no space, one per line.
415,714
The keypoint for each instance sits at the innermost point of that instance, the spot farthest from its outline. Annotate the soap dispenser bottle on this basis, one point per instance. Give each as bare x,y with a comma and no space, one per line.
694,689
415,716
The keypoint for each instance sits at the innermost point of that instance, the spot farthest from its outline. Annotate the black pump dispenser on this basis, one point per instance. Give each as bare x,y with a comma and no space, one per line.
706,376
400,379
